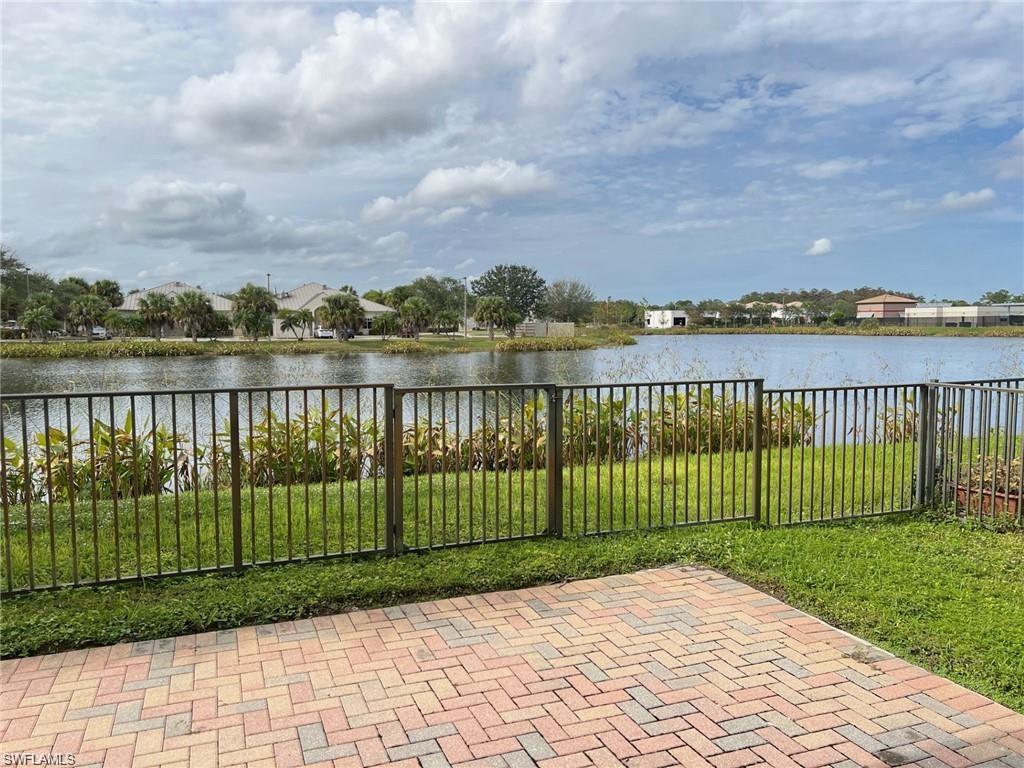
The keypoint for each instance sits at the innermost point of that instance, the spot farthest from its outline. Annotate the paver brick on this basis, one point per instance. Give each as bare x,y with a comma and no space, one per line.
675,666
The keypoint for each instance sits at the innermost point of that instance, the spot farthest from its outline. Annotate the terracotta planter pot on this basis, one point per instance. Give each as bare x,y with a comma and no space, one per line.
1000,503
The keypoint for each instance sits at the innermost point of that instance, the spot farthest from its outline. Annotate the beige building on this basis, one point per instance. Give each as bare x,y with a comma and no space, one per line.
220,304
885,308
311,296
983,315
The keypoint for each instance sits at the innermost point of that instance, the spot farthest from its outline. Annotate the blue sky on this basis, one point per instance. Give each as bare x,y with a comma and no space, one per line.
655,151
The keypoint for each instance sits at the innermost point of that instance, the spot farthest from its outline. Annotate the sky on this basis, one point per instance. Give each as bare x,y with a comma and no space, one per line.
654,151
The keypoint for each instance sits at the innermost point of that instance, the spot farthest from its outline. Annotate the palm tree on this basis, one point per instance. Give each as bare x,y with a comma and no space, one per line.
38,321
254,308
296,320
416,313
491,310
386,324
342,312
87,311
157,310
115,322
193,311
446,321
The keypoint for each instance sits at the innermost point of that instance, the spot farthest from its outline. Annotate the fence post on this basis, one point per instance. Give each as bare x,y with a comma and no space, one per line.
757,447
236,480
394,467
554,462
933,440
925,438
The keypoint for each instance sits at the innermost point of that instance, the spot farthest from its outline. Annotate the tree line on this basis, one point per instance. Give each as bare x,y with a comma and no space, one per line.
499,300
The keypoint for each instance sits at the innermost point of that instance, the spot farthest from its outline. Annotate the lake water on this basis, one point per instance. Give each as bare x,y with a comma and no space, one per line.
781,360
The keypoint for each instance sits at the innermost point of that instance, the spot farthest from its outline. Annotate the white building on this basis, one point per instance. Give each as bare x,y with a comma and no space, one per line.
311,296
983,315
664,318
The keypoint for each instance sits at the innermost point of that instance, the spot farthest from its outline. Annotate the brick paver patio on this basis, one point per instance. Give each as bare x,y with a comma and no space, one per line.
663,667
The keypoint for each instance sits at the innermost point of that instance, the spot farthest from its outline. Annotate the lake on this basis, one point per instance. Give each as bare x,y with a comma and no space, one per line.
780,359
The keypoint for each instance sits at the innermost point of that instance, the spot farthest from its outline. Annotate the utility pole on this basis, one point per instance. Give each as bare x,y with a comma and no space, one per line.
268,282
465,307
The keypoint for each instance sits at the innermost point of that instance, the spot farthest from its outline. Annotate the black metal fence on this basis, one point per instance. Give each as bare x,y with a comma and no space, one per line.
110,487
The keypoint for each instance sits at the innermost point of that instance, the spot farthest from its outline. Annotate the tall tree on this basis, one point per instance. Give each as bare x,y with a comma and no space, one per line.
86,312
568,301
157,310
441,293
192,311
254,309
491,311
296,321
110,291
38,321
387,324
446,321
416,314
342,312
520,286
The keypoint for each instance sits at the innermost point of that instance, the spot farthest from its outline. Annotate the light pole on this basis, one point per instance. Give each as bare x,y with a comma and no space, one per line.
27,271
268,282
465,307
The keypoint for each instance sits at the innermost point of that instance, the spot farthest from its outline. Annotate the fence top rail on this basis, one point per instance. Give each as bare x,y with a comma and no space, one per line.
467,388
988,382
981,388
844,388
200,391
643,384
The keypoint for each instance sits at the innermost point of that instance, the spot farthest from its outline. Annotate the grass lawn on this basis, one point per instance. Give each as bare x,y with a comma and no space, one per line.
167,535
942,594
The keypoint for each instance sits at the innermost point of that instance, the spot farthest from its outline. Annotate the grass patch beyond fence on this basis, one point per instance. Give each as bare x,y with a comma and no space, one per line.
944,595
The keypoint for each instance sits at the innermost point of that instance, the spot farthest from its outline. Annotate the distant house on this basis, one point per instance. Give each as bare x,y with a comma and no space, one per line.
664,318
131,306
311,296
945,314
790,312
885,307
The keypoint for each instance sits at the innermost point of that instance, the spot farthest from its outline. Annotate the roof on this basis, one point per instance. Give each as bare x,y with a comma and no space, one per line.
311,296
173,288
887,298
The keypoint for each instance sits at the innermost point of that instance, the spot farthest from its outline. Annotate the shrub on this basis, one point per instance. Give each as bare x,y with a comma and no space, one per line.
546,344
404,347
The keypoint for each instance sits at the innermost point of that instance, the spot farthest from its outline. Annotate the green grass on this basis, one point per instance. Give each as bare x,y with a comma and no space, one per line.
167,535
944,595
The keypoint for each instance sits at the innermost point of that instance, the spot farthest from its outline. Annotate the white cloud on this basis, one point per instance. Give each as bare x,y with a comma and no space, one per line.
955,201
1011,164
464,264
448,215
819,247
832,168
479,186
691,225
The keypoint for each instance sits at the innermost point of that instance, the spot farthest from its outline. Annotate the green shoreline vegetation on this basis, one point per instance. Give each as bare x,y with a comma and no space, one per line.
591,338
132,348
1016,331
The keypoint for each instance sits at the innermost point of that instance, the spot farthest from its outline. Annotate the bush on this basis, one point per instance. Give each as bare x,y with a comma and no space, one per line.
546,344
404,348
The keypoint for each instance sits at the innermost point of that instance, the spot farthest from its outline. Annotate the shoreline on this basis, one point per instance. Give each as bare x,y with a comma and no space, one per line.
997,332
138,348
590,339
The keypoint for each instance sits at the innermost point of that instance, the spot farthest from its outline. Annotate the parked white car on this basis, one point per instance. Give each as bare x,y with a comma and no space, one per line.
323,333
99,332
